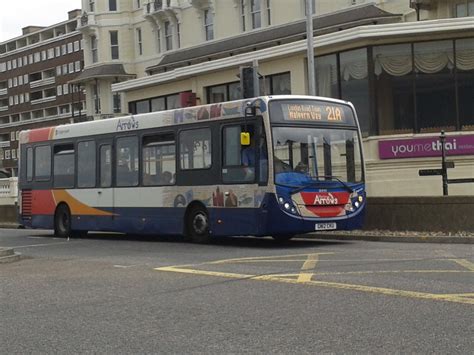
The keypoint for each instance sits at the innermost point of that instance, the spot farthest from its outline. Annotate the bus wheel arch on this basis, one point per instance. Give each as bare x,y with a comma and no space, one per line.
196,223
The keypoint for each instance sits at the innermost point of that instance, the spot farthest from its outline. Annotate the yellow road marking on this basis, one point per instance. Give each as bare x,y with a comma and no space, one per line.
272,258
337,285
309,264
465,263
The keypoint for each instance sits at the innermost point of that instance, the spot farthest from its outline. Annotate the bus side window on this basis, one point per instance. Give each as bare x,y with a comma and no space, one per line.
29,164
126,169
86,164
64,166
159,160
105,166
43,163
195,149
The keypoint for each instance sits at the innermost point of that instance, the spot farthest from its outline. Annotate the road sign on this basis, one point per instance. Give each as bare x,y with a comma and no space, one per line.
430,172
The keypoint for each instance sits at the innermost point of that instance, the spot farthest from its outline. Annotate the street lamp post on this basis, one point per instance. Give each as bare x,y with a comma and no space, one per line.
310,47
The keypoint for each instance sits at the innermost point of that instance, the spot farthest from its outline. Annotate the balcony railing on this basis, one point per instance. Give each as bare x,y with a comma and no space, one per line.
4,144
3,108
3,92
44,99
8,191
42,82
154,6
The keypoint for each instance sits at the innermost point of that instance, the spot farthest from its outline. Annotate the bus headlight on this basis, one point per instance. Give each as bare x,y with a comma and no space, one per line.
357,204
360,198
287,206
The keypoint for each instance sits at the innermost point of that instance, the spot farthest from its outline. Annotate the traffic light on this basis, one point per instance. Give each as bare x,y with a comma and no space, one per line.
248,82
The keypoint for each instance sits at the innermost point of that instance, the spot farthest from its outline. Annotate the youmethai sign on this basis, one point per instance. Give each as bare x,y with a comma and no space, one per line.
425,147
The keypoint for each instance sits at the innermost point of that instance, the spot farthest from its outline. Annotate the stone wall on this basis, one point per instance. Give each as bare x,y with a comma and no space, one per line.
448,213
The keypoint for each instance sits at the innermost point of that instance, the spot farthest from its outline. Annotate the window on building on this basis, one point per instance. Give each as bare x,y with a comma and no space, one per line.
159,160
276,84
64,166
96,97
117,102
355,85
464,8
223,92
114,45
256,13
139,41
94,51
178,34
195,149
86,164
168,35
126,169
465,76
269,17
394,86
435,86
209,24
105,166
158,40
112,5
243,9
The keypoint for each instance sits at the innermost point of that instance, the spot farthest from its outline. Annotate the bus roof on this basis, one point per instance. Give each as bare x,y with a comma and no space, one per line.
223,110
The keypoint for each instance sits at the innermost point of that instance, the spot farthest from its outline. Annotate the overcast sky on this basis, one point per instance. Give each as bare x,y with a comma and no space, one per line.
16,14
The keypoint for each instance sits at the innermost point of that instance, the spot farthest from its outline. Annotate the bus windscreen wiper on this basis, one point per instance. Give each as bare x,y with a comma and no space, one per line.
318,183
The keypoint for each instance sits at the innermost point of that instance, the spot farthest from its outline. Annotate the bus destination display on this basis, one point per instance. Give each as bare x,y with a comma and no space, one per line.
317,112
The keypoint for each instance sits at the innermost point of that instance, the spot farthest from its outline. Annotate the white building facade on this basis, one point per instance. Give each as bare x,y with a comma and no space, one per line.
408,66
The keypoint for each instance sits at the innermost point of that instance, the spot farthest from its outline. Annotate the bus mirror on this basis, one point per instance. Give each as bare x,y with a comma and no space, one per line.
244,138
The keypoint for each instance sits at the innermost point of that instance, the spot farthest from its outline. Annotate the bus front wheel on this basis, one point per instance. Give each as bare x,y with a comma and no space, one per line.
197,224
62,222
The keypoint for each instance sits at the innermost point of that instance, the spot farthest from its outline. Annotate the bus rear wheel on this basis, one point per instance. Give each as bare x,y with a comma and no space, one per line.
197,224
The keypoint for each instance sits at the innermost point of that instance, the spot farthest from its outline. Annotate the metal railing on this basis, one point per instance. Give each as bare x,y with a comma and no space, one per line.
8,191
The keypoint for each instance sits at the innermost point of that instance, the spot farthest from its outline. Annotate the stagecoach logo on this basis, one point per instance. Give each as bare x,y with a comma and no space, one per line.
127,124
328,199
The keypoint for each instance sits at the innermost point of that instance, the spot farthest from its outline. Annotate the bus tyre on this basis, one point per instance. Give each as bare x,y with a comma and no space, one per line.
197,225
62,222
282,238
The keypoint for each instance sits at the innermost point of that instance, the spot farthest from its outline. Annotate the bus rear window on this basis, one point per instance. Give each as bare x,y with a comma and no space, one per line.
43,163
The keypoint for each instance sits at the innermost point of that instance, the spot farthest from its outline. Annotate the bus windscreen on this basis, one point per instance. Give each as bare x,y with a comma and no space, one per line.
304,111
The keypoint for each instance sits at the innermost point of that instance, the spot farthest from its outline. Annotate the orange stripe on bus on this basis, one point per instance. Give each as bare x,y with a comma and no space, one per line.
77,207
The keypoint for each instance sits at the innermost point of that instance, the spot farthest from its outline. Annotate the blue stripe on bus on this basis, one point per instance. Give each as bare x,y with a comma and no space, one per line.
270,220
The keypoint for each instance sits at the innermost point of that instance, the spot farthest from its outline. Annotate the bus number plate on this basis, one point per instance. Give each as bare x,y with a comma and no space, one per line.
325,226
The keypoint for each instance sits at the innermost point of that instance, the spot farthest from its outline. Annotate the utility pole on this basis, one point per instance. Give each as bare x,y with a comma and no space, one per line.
310,49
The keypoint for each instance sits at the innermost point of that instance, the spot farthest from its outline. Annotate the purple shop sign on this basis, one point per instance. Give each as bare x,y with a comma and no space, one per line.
425,147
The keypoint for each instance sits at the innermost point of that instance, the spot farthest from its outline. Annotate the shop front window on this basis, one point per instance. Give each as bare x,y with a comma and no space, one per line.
465,76
326,76
435,86
355,85
394,88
